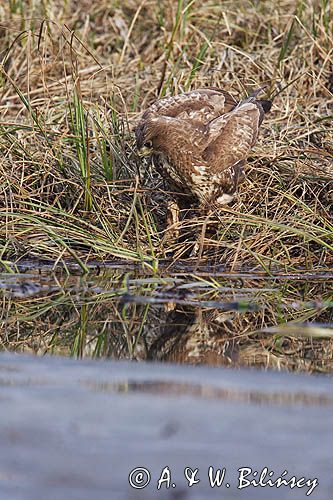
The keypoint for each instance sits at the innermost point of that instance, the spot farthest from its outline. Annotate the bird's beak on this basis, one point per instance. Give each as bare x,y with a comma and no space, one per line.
145,151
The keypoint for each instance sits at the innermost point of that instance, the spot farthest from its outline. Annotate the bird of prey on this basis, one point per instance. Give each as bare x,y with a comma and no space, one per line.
200,141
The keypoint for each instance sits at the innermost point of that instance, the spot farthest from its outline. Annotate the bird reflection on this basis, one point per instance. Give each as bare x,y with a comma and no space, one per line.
192,335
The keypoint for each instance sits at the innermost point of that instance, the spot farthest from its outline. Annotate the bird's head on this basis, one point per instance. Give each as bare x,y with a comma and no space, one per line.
143,135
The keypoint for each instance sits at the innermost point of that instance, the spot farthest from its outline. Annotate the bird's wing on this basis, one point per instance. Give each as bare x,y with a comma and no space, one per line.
178,140
176,135
231,136
198,106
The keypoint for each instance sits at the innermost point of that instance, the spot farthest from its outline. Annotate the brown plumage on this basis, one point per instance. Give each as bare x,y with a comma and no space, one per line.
200,141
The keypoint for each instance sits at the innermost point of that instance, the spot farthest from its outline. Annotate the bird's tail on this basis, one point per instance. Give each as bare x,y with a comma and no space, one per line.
266,104
258,91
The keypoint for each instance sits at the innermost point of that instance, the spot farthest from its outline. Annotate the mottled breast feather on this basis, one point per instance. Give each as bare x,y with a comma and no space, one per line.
201,140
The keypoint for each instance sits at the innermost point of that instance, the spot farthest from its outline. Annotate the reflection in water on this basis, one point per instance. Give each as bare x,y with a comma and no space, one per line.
196,336
210,392
192,335
218,320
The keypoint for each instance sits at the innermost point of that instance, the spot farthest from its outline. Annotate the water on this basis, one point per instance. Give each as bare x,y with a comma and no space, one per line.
78,428
282,321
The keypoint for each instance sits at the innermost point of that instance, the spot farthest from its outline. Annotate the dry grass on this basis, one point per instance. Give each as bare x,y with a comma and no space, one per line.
75,76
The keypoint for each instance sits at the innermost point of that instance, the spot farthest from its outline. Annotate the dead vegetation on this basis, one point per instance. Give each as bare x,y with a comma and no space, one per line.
75,76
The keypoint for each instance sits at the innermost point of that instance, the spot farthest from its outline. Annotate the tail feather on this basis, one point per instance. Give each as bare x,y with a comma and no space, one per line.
258,91
266,104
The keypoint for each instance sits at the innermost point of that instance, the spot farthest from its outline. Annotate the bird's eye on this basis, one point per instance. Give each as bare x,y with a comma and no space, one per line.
148,144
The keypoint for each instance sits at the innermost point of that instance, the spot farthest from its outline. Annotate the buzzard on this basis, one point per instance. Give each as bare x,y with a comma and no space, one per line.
200,140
